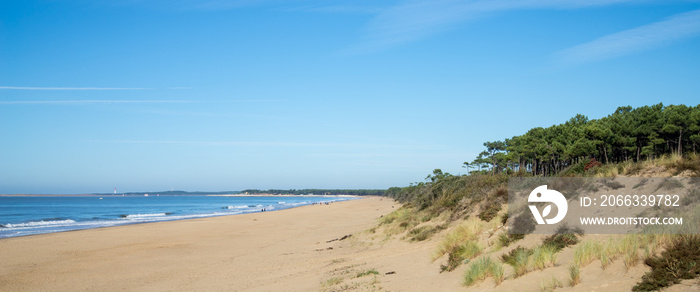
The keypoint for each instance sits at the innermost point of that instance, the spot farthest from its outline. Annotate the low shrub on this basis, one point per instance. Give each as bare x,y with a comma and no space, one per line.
669,184
592,164
560,241
424,232
504,219
489,211
613,184
509,258
679,261
633,169
641,183
523,223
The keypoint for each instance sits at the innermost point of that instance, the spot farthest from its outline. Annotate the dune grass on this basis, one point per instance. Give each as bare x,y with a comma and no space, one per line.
399,221
482,268
544,256
630,250
584,253
524,260
574,275
551,284
679,163
332,281
608,251
460,244
367,273
674,164
463,233
498,273
468,250
477,271
626,247
424,232
521,263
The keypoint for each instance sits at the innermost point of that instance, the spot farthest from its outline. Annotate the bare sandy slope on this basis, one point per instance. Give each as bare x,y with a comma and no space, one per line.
289,250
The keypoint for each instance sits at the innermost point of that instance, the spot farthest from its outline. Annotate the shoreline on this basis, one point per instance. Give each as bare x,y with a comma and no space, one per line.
71,223
287,195
212,195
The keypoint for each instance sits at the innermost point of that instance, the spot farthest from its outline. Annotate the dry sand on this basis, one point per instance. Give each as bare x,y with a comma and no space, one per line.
271,251
286,250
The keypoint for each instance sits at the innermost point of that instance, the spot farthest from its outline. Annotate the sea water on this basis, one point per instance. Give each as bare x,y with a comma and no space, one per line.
21,216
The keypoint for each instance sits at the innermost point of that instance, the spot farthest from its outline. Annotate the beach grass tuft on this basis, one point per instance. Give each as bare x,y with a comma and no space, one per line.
399,221
521,264
585,253
519,259
544,256
482,268
367,273
468,250
424,232
467,231
333,281
574,275
498,272
630,250
551,284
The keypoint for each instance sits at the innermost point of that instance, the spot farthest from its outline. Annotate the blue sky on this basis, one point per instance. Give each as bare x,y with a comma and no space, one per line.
227,95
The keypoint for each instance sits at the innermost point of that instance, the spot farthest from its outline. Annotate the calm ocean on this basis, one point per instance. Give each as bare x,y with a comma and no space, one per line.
21,216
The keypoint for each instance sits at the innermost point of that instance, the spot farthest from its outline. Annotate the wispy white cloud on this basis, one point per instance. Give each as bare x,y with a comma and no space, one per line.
413,20
71,88
677,27
101,101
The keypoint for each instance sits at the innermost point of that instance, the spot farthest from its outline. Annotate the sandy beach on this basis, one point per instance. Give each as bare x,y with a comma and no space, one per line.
271,251
335,247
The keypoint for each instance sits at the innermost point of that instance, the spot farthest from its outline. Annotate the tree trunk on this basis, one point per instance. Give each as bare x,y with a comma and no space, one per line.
680,146
605,150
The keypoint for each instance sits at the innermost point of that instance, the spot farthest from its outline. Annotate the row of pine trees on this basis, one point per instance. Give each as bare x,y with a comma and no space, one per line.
627,134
